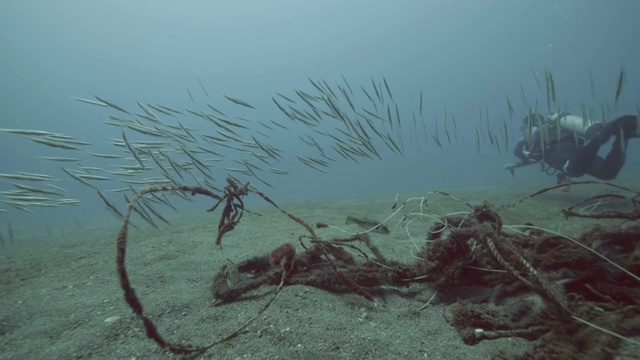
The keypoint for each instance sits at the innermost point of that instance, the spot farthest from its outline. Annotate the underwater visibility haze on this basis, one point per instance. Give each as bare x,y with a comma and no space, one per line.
457,59
308,101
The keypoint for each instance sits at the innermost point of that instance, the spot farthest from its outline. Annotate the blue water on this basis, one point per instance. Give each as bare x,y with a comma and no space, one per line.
465,56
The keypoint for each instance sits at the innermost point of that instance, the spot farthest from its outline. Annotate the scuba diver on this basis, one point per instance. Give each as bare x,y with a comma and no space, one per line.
569,145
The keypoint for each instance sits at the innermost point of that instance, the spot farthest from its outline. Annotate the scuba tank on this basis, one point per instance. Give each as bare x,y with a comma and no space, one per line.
539,132
582,127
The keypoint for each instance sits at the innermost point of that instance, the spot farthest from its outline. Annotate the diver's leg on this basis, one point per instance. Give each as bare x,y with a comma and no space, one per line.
623,128
581,162
586,160
609,167
626,125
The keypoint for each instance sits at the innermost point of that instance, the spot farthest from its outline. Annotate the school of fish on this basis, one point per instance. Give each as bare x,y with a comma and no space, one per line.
159,145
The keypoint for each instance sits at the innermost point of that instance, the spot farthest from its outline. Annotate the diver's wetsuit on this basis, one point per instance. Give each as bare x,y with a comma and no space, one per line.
571,157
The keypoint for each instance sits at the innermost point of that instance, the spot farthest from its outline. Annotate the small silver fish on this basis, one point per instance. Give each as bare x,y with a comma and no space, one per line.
239,102
367,224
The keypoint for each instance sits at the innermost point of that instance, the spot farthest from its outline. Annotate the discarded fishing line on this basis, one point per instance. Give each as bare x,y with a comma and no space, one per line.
231,215
567,296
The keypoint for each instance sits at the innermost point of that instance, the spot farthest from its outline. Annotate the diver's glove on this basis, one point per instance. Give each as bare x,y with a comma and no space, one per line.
511,167
564,180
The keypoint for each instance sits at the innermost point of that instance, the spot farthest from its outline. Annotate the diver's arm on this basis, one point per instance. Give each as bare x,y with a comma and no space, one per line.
519,152
520,163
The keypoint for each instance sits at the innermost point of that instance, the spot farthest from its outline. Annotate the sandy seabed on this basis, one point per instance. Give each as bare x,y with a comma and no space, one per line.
61,298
